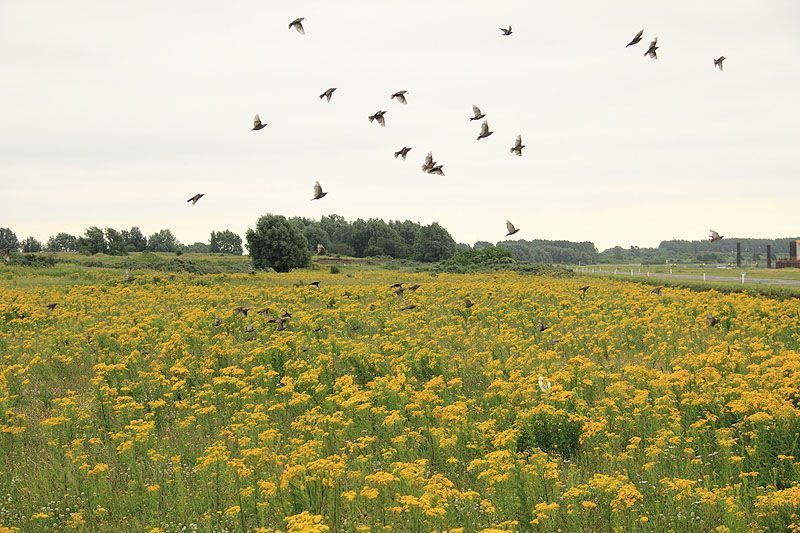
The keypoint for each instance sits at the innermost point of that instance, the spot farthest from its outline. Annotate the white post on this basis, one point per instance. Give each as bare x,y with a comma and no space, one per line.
704,276
648,273
615,271
631,272
670,271
743,273
592,271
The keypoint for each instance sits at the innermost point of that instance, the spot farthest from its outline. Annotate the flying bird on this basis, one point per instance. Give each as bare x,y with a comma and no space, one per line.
657,291
714,236
429,162
468,303
400,96
195,198
249,327
241,311
217,321
583,291
51,306
511,229
257,124
484,130
315,284
379,117
542,327
506,31
399,291
396,285
476,113
636,39
437,169
518,146
280,323
409,307
298,25
402,152
414,287
718,62
711,320
651,50
544,384
318,191
327,94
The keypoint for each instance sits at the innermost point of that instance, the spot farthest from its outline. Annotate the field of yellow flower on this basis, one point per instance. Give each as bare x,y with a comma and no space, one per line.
128,406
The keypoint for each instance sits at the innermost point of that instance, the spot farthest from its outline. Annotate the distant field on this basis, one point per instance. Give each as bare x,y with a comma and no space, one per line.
127,408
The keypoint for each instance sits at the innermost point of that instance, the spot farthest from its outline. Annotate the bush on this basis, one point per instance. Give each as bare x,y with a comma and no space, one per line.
334,269
551,431
277,243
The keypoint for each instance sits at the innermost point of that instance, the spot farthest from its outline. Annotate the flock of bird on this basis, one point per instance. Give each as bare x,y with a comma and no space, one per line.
429,165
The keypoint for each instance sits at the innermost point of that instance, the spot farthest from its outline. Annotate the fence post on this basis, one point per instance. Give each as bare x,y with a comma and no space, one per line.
704,276
743,273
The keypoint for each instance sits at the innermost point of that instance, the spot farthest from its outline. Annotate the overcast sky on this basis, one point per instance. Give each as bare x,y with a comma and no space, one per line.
114,113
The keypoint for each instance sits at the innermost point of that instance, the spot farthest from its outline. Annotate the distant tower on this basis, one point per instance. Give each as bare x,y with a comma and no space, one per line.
769,256
738,255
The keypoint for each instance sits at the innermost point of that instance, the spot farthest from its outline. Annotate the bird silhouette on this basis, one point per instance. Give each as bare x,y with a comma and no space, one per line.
315,284
511,229
318,191
51,306
484,130
409,307
327,94
217,321
400,96
657,291
518,146
714,236
402,152
241,311
542,327
468,303
651,50
437,170
583,291
399,291
257,124
506,31
379,117
298,25
711,320
429,163
476,113
394,286
249,327
414,287
718,62
636,39
195,198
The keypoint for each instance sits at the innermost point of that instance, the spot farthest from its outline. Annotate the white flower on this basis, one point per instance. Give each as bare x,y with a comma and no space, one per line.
544,384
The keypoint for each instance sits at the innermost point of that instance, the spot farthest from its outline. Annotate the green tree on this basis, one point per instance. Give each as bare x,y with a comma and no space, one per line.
163,241
196,248
134,240
225,242
93,242
8,241
116,242
31,245
277,243
63,242
433,243
407,230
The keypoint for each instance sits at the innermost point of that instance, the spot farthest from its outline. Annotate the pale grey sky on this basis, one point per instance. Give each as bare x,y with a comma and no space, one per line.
114,113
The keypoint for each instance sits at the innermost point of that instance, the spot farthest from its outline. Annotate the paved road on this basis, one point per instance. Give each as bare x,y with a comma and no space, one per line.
696,277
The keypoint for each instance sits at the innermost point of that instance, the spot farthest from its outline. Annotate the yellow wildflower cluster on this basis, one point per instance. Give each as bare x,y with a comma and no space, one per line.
152,404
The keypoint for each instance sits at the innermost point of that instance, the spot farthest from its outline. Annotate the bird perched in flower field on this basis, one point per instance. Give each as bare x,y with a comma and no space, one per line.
468,303
711,320
583,290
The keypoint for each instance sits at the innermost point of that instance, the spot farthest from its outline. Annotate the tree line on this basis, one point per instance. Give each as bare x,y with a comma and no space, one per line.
683,251
121,242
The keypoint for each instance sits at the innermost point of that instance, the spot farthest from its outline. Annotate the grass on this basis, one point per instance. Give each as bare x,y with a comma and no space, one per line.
127,408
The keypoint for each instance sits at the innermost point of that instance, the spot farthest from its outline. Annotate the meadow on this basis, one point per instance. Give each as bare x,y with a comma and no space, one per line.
149,404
